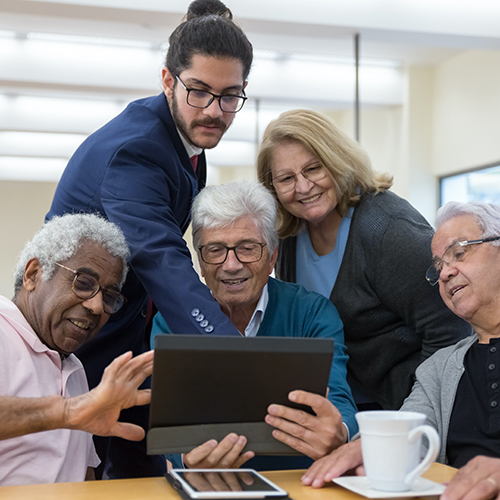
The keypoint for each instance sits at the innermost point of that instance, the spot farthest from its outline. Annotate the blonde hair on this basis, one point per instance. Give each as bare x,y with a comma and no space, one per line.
344,159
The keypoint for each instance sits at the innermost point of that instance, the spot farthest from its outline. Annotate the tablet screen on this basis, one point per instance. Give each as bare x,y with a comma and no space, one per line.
229,483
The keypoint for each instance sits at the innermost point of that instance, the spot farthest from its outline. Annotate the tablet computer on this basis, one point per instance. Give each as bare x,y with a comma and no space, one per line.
205,387
200,484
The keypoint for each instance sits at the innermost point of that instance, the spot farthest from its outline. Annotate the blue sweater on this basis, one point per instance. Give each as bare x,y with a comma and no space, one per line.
292,311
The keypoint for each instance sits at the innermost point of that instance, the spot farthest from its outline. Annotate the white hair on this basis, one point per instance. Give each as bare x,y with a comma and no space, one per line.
61,237
487,216
220,206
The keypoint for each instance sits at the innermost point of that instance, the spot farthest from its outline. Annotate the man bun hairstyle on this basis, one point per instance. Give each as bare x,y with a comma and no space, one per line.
208,30
200,8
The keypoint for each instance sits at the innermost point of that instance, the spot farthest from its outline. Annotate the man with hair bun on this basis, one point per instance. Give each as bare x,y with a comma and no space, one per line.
142,170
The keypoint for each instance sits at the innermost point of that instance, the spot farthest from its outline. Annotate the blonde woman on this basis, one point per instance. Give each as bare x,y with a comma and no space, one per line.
345,235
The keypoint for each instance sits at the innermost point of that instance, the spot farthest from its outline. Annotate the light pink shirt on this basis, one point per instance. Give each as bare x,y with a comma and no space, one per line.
28,368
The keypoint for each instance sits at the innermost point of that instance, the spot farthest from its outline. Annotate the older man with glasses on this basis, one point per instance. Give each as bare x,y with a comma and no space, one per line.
458,388
67,284
235,235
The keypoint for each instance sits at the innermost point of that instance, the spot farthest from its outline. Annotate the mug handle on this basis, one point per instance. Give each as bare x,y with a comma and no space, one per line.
432,452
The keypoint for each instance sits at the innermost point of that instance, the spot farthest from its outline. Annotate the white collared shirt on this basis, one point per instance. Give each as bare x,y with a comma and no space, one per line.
258,315
190,149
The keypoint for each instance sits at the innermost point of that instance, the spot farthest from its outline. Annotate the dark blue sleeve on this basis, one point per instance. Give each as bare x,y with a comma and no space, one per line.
151,202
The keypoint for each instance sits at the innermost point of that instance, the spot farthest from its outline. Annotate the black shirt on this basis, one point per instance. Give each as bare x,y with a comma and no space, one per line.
475,418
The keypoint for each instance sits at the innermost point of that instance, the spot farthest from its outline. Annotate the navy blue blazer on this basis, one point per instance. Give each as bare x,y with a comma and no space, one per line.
136,172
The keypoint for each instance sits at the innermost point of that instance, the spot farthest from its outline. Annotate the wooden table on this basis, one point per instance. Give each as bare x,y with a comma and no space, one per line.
157,488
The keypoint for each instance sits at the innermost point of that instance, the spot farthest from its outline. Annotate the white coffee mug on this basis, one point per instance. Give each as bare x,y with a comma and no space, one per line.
391,446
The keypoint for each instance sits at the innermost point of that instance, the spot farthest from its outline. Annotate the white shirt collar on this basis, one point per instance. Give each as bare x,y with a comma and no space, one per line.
258,315
190,149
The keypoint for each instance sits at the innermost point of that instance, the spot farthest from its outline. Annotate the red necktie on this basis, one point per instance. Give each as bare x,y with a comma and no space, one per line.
194,161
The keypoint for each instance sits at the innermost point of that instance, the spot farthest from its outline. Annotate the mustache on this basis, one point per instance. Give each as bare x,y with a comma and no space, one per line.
210,122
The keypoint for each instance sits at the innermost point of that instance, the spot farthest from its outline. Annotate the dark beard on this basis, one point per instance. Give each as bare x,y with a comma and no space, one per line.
183,128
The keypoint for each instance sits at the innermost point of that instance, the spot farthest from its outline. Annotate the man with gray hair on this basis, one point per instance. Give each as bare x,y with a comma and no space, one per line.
457,388
67,284
237,244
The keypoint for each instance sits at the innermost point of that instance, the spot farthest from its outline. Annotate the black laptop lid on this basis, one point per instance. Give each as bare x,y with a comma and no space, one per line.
209,386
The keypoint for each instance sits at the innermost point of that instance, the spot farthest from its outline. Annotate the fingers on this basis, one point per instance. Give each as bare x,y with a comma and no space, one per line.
128,431
479,479
297,437
127,368
199,454
320,405
143,397
229,451
246,478
224,455
231,480
199,481
340,461
242,459
112,369
213,481
121,379
217,483
313,435
138,368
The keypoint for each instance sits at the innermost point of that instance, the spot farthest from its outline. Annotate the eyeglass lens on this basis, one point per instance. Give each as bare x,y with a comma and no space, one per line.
286,182
217,254
455,253
202,99
86,287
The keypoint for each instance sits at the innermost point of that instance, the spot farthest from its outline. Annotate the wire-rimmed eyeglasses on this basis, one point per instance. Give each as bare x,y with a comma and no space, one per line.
201,99
285,183
85,287
246,253
453,254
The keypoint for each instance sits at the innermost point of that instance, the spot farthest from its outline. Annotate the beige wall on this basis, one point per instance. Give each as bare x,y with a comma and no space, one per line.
467,112
23,206
416,180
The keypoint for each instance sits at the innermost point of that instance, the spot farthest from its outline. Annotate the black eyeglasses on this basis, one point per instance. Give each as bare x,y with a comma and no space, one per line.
286,182
453,254
246,253
85,287
202,99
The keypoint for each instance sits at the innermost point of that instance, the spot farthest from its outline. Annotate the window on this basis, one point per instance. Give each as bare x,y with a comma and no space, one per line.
481,184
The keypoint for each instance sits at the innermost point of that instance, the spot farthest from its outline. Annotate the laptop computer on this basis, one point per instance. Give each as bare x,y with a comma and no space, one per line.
205,387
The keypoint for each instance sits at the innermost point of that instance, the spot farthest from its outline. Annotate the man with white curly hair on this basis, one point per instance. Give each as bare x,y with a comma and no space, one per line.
67,284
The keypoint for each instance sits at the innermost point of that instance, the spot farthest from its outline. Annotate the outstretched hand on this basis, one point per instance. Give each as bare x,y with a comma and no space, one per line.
97,411
314,435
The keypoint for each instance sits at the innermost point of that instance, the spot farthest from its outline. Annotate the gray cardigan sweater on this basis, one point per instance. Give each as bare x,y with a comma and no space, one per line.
393,319
436,386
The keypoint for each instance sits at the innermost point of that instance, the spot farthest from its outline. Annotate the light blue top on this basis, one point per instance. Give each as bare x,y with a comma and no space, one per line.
319,273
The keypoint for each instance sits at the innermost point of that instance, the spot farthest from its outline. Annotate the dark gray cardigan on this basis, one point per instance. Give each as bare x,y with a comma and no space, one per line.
393,319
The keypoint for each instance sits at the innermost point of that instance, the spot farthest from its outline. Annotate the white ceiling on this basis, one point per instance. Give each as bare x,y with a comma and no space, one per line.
413,31
304,57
